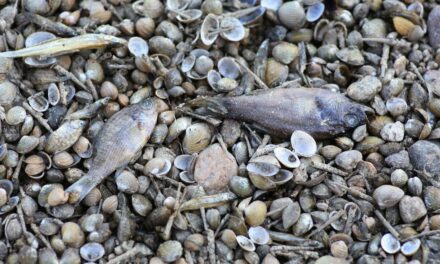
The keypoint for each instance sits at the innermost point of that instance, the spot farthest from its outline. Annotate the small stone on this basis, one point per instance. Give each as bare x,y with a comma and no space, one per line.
393,132
375,28
396,106
387,196
348,159
214,168
365,89
425,156
170,251
360,133
399,160
431,196
433,28
399,178
411,209
432,77
330,259
351,56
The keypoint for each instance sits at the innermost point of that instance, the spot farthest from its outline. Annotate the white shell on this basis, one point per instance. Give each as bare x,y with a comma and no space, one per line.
287,157
92,251
262,169
245,243
271,4
158,166
390,244
232,29
259,235
209,30
138,46
53,94
411,247
303,144
228,68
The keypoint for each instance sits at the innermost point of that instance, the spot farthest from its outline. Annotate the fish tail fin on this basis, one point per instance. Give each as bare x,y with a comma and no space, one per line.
79,189
212,104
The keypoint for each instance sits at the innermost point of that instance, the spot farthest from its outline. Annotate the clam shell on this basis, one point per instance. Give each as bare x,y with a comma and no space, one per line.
8,92
186,177
411,247
232,29
262,169
92,251
177,127
197,137
189,16
209,29
53,94
27,144
259,235
137,46
245,243
292,15
314,12
185,161
403,26
228,68
38,102
282,177
390,244
303,144
276,73
158,166
271,4
287,157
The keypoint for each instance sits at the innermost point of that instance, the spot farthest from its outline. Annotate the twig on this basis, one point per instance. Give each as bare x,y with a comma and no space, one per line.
384,60
423,234
71,77
213,121
63,93
356,193
329,168
17,170
40,236
37,116
257,79
332,219
222,223
143,250
263,144
92,89
386,224
167,232
211,245
51,26
419,75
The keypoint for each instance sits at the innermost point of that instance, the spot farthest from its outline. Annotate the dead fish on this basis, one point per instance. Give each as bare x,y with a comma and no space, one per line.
61,46
321,113
121,137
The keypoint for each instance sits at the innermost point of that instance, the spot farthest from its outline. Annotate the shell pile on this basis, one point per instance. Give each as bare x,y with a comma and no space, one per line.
357,182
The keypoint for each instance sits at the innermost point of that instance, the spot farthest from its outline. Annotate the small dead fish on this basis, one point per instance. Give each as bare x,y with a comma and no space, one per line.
319,112
65,136
89,111
60,46
121,137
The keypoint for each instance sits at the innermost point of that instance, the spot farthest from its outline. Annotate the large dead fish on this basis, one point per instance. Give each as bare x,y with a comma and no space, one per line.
279,111
121,137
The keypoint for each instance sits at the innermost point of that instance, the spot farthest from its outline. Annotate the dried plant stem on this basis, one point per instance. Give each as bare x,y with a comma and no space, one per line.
167,231
136,250
257,79
263,144
384,60
386,224
92,89
17,170
423,234
37,116
40,236
356,193
420,77
329,168
210,120
211,245
71,77
332,219
222,223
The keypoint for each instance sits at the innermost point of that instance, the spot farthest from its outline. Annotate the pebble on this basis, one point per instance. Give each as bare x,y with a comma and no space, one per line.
330,259
393,132
351,56
348,159
425,156
170,251
432,77
399,160
360,133
214,168
375,28
399,178
387,196
365,89
396,106
411,209
433,28
431,196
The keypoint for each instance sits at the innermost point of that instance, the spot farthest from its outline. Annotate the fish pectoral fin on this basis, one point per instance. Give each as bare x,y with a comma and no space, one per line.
79,189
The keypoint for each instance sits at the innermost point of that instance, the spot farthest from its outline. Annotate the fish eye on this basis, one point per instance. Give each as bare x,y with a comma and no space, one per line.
351,120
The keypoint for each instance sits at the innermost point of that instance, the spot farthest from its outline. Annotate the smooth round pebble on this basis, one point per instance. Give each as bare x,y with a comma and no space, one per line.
348,159
387,196
411,209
